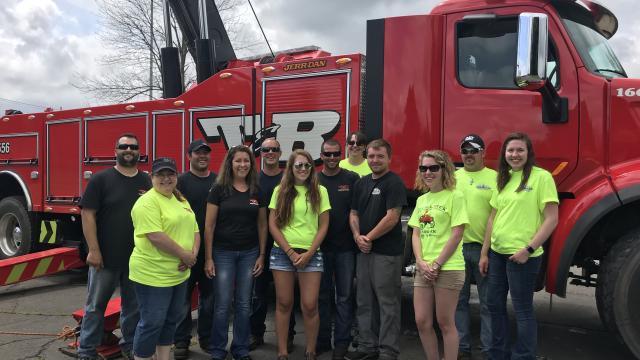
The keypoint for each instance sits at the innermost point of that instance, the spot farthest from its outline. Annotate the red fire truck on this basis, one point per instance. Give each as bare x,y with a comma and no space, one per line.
491,67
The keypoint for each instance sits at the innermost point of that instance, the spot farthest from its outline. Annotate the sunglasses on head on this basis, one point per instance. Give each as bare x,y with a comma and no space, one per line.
471,151
331,153
128,146
302,165
432,168
356,143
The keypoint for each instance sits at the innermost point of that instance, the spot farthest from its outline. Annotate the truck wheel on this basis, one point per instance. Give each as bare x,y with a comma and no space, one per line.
15,228
618,291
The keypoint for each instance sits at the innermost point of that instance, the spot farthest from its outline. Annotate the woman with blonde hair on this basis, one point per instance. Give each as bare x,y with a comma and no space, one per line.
298,222
438,222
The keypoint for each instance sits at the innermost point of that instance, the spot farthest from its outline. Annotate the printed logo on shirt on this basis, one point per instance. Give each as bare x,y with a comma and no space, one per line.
141,192
427,220
376,191
527,188
345,187
483,187
253,202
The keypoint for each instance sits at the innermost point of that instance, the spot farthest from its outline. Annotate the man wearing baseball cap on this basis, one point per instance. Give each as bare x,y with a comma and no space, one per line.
477,183
195,185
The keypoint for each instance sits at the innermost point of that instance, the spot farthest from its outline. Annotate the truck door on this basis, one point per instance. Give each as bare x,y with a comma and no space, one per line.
480,95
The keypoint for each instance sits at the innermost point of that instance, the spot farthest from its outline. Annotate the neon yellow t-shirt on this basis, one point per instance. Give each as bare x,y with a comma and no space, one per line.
154,212
303,226
363,169
520,214
477,188
435,214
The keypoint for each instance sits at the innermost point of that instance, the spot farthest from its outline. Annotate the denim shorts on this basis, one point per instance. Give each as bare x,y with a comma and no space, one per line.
278,260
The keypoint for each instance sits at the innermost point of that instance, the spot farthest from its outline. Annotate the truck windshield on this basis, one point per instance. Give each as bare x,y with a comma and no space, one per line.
593,47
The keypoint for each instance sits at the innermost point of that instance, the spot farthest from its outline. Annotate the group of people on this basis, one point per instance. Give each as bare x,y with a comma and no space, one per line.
159,237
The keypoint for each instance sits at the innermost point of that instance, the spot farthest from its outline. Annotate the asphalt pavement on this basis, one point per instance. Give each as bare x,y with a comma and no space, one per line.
33,312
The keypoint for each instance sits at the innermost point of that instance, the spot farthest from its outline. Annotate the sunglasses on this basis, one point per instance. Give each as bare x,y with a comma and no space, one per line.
270,149
128,146
432,168
331,153
356,143
471,151
301,165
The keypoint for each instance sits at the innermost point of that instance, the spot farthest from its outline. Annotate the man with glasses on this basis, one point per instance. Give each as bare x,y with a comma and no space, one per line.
108,231
269,178
356,161
477,183
338,253
378,200
195,185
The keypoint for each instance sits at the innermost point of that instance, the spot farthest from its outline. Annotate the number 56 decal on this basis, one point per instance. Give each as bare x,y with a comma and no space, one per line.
5,147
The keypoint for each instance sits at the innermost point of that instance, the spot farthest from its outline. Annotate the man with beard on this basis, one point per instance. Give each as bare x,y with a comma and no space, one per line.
108,231
378,200
338,254
269,178
195,185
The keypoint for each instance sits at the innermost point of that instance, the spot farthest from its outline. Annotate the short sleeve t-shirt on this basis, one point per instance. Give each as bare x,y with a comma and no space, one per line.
340,188
477,188
196,189
154,212
112,195
303,226
371,199
434,215
519,215
362,170
237,223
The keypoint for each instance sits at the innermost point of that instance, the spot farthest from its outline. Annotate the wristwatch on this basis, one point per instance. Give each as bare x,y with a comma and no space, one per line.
530,250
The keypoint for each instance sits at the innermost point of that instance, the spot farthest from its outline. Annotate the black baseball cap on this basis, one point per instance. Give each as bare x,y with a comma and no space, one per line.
473,140
163,163
197,145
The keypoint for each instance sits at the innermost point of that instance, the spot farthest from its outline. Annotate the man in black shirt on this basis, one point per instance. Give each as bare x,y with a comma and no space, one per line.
108,231
195,185
338,253
269,178
375,221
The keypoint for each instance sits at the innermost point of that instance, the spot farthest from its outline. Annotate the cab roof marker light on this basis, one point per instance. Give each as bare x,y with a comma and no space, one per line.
479,17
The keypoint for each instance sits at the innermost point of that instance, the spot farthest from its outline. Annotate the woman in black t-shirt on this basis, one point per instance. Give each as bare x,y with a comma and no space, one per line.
235,239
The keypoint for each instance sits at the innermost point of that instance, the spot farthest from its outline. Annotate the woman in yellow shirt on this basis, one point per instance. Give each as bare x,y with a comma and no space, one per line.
298,223
166,240
438,222
525,212
356,162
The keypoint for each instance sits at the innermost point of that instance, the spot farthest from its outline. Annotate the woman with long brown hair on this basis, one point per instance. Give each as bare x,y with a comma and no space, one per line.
235,242
438,222
525,212
298,222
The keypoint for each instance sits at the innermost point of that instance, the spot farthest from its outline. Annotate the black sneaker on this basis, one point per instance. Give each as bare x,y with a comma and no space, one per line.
339,352
255,341
181,351
323,348
360,355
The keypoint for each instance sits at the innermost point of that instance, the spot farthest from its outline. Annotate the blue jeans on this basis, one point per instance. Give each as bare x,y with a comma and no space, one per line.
471,253
339,267
205,307
100,287
233,283
161,308
520,280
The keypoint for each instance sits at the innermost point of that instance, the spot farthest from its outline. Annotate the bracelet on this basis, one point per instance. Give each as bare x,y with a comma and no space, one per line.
436,264
530,249
289,251
261,254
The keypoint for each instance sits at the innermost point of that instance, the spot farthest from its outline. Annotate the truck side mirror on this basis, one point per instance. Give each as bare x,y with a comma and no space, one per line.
531,68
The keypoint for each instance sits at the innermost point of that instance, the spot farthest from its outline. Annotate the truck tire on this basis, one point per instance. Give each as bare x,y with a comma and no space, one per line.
618,291
15,228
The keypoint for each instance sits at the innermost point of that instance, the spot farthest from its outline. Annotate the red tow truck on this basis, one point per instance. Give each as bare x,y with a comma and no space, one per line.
491,67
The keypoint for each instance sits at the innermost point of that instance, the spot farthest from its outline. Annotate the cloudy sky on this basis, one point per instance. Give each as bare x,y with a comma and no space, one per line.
45,45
